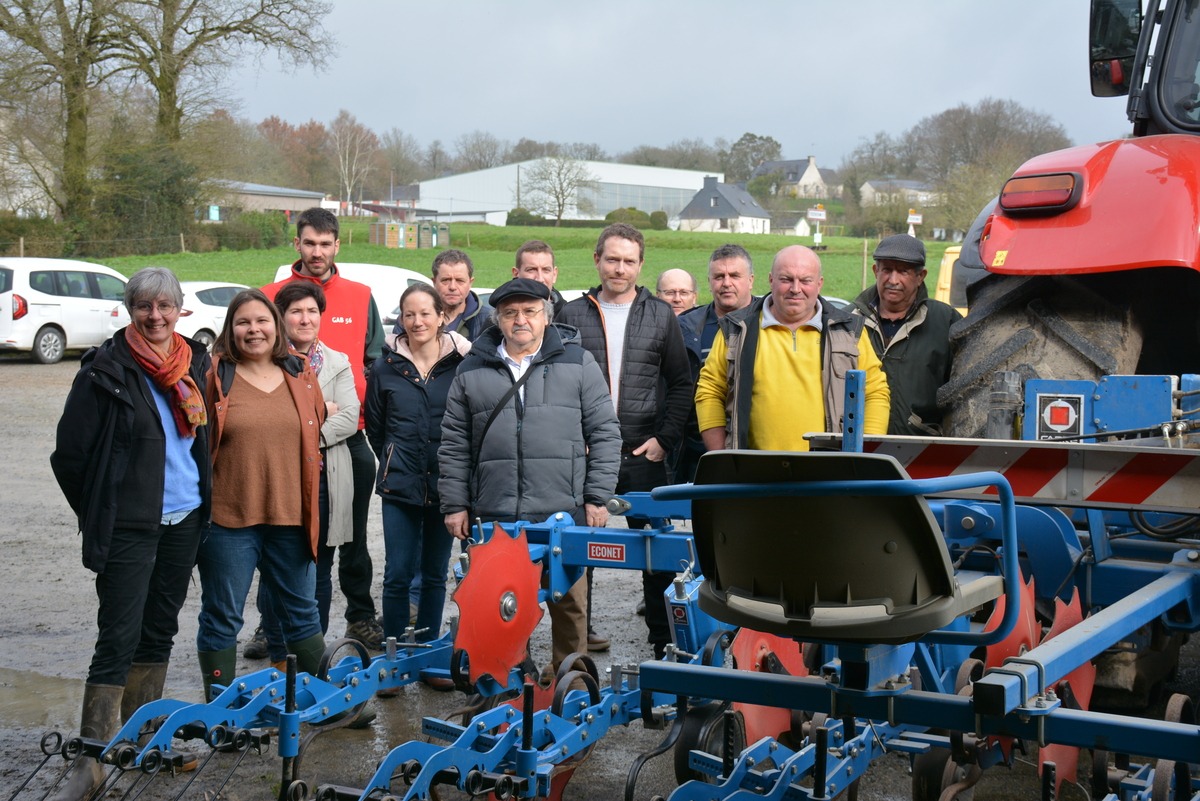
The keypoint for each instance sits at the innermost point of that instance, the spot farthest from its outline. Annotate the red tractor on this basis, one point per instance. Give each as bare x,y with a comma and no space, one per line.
1088,262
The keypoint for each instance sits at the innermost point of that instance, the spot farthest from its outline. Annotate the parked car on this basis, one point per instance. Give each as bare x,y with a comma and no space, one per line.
50,306
204,305
840,303
484,294
387,283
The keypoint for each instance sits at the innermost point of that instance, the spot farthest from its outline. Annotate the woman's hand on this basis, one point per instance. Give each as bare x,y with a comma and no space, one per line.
331,408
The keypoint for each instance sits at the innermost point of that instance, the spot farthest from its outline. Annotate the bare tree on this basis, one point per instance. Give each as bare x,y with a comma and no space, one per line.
585,151
227,146
68,48
403,156
437,160
355,146
169,42
479,150
683,154
552,187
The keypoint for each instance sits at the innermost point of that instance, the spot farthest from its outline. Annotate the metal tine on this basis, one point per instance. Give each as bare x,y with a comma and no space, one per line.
49,737
199,769
241,756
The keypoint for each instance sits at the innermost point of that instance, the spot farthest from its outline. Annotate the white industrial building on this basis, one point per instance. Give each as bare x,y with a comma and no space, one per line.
488,195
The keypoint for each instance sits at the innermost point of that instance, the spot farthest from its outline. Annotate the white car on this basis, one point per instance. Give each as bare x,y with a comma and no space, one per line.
387,283
484,294
49,306
204,306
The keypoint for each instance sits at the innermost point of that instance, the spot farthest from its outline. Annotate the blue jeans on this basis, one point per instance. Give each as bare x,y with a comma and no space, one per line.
269,617
227,559
414,536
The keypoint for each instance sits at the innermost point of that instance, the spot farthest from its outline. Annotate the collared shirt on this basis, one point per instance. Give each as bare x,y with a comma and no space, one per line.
517,368
769,319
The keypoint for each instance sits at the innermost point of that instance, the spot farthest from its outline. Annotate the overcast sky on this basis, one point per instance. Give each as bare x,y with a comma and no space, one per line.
818,76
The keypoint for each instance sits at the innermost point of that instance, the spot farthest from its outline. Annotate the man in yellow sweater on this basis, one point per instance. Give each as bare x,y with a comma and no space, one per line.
777,369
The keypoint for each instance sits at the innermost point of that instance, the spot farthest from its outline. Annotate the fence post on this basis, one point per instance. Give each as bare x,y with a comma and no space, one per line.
21,248
182,246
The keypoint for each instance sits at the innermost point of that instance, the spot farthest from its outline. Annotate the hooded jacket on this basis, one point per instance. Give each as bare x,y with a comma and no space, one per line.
110,451
553,450
404,418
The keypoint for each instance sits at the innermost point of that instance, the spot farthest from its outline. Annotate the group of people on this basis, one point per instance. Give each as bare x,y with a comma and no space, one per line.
259,457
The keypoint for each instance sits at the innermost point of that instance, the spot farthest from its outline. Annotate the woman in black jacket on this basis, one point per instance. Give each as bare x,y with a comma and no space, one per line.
131,457
406,397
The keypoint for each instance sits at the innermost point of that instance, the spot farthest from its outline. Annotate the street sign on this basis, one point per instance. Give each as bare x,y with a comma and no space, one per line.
816,215
914,218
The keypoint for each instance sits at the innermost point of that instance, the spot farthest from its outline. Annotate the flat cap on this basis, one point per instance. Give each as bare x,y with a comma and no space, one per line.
519,288
901,247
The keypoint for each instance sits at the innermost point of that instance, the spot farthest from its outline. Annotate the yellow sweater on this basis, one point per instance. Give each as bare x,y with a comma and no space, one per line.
788,400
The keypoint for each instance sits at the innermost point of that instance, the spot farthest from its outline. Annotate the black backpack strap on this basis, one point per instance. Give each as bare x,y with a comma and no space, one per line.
520,382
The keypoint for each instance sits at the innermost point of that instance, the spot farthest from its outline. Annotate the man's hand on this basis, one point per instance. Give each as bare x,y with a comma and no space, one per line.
652,450
595,515
331,408
457,525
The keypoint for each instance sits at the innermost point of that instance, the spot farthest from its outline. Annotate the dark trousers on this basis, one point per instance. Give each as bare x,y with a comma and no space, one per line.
639,474
141,591
354,560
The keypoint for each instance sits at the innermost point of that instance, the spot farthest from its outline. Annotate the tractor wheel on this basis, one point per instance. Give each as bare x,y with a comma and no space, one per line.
1039,327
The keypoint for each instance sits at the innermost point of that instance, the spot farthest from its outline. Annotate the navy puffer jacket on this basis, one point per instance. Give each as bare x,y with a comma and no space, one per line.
404,419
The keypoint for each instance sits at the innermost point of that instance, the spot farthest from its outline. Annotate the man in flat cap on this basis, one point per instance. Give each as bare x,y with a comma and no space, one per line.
529,430
910,332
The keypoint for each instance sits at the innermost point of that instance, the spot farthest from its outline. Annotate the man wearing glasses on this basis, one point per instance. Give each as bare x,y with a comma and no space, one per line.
677,288
551,445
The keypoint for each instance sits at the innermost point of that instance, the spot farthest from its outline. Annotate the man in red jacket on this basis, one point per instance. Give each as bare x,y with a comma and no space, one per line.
351,325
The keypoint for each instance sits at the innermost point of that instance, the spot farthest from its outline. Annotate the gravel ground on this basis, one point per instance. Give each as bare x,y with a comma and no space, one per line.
47,628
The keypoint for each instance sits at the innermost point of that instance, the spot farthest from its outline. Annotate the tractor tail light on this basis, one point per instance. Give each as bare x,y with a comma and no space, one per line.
20,307
1041,194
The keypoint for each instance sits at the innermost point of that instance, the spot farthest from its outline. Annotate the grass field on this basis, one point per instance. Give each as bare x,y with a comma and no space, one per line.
492,248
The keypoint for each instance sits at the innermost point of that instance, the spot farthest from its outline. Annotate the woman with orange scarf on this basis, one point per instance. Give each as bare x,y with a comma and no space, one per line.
132,459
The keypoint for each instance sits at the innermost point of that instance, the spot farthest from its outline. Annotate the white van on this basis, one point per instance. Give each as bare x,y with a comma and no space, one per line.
48,306
387,283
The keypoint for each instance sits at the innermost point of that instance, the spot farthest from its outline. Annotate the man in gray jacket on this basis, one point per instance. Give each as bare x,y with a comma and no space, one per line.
554,445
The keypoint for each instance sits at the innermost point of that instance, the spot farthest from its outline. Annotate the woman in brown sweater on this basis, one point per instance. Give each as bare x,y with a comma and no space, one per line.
265,412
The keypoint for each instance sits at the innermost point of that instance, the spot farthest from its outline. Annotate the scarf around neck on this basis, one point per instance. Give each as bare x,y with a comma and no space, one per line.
168,369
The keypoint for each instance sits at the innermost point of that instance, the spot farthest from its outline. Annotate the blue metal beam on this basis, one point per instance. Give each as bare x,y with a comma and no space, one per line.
1001,693
919,709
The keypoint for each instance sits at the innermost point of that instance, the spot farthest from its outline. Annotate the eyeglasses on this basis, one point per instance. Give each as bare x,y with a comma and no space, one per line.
164,308
676,293
508,315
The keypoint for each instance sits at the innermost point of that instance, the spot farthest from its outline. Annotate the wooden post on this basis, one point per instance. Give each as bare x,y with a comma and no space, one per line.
21,247
182,244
